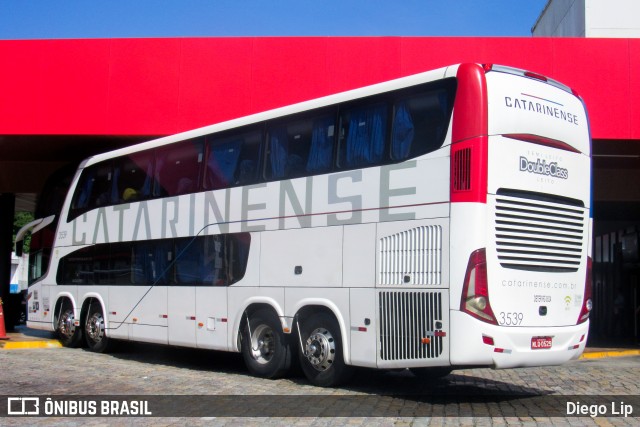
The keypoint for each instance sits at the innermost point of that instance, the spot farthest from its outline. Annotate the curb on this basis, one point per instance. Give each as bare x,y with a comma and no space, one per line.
20,345
611,353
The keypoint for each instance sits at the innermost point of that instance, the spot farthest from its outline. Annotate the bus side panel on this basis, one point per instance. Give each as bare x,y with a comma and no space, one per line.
37,296
118,307
149,318
303,257
212,317
182,315
363,327
359,256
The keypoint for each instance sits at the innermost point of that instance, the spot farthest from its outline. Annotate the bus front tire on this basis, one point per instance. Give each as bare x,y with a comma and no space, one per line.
68,334
321,355
265,348
94,330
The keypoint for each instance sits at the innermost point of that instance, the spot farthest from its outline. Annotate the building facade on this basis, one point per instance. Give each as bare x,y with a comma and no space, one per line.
63,100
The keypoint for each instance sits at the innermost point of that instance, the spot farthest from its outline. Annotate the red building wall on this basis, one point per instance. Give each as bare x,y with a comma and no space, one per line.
163,86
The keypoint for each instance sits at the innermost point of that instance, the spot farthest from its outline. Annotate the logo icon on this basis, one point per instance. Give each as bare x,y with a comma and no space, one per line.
23,406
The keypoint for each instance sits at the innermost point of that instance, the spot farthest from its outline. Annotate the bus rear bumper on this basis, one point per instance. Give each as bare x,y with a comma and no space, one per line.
474,342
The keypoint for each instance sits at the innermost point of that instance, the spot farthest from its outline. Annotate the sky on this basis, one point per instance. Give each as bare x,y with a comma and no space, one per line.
64,19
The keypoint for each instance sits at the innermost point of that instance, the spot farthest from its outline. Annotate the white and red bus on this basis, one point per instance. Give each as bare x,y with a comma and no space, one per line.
435,221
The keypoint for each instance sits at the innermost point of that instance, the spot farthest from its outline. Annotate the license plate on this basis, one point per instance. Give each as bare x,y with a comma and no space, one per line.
539,343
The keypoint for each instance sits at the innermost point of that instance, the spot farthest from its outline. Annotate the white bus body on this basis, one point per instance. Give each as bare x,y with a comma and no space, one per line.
470,252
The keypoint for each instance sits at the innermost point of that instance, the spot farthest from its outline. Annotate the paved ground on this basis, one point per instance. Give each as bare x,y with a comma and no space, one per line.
211,384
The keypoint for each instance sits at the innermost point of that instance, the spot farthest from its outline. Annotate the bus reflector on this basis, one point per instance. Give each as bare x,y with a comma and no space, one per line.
487,340
586,299
475,292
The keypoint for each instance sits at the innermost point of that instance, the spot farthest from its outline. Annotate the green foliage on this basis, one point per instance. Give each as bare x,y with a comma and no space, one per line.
19,220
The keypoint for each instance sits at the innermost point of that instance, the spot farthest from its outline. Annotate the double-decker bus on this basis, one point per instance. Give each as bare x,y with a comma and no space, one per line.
435,221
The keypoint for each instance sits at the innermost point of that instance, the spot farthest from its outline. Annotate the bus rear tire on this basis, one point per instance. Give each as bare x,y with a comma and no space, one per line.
95,330
68,334
321,355
265,349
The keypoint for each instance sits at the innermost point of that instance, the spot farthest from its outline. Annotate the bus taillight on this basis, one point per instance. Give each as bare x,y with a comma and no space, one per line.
475,293
587,304
535,76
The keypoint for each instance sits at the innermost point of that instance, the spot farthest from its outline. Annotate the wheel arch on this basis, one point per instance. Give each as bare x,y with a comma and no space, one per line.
88,300
250,307
307,308
62,298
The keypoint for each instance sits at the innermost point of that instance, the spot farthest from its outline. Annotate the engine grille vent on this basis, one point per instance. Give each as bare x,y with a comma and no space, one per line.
539,233
405,319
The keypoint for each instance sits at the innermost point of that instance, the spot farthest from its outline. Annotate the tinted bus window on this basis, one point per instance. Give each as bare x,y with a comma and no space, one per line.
178,168
233,159
300,147
133,177
94,187
420,123
218,260
363,135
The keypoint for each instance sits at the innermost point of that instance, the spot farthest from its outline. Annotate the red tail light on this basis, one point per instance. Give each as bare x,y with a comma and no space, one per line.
535,76
475,294
587,304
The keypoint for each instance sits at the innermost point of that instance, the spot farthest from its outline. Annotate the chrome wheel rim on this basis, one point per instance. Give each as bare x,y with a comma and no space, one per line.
95,327
262,344
66,324
321,349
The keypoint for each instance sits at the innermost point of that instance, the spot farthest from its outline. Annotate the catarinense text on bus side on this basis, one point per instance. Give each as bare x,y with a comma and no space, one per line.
335,199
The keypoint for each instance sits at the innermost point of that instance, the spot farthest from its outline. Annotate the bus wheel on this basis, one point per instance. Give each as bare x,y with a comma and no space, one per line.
94,329
265,349
321,353
431,373
68,334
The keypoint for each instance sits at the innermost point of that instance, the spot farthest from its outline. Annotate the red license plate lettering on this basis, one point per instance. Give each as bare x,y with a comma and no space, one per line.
539,343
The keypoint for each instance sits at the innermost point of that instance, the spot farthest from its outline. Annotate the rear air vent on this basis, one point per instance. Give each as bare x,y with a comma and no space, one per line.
539,232
411,257
462,170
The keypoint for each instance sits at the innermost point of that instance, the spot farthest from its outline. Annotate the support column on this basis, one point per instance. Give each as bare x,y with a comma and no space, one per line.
7,213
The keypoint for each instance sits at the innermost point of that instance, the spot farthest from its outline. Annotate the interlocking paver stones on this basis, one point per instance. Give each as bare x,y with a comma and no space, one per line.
378,398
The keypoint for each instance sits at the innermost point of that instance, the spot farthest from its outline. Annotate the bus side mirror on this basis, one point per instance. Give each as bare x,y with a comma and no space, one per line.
33,226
